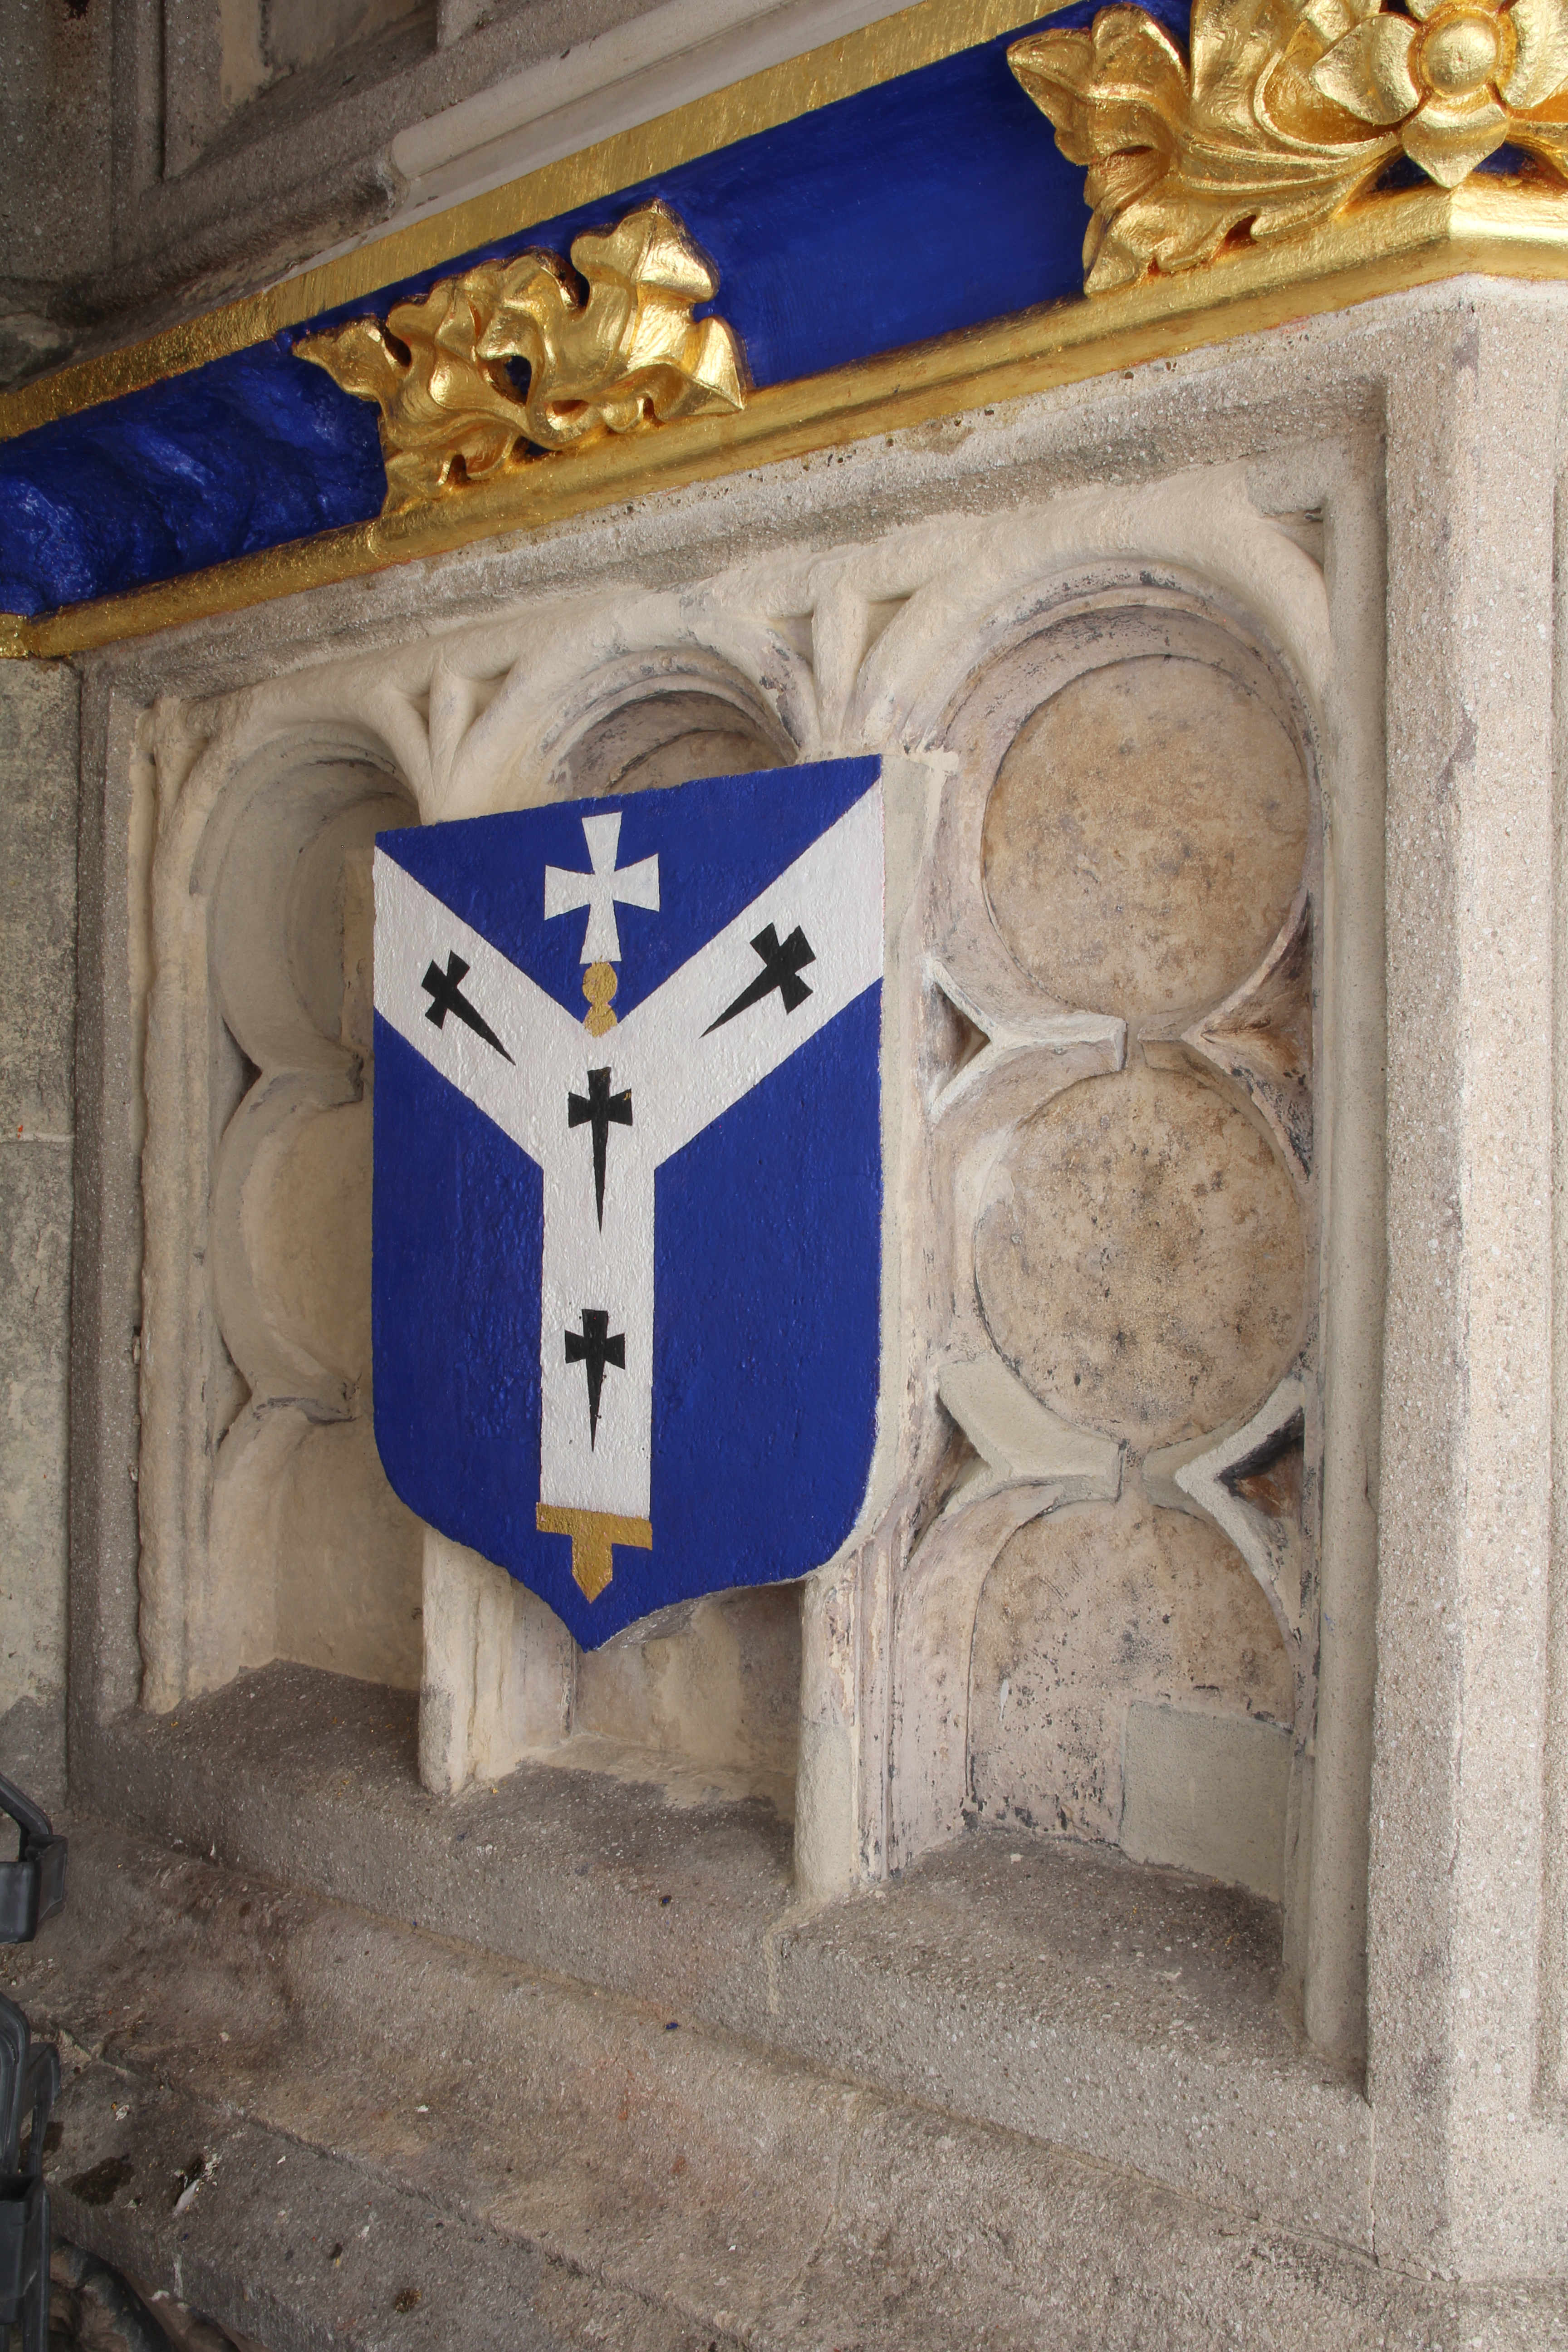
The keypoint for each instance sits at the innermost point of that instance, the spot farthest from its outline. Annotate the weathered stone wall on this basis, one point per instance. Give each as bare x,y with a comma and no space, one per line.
54,205
37,858
166,154
1094,1535
1233,1532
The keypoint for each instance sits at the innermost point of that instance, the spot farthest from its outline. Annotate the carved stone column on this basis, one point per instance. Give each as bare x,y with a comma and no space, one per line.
1464,1938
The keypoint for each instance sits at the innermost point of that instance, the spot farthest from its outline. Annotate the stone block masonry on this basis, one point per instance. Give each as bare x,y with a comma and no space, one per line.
38,947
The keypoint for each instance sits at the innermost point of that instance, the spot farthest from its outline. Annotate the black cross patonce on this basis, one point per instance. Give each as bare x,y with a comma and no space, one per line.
782,968
599,1109
594,1347
447,996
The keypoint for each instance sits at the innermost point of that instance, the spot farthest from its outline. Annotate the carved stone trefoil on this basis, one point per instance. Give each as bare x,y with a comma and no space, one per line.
629,355
1284,113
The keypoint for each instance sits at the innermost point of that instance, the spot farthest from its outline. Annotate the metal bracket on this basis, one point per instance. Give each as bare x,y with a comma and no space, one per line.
33,1885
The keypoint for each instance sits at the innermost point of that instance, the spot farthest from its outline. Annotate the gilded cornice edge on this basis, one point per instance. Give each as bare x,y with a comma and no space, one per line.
1415,237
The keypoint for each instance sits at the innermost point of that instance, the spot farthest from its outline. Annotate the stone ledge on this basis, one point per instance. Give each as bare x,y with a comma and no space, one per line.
312,1780
1127,2012
1037,1994
398,2142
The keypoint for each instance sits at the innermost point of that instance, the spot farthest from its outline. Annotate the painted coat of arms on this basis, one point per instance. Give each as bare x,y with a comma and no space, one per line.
628,1183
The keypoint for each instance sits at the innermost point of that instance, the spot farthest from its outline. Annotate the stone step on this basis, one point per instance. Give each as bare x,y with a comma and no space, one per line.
327,2128
1131,2014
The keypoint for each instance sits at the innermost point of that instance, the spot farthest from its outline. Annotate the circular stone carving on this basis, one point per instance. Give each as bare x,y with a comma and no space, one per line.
305,1222
1139,1260
1145,835
1090,1607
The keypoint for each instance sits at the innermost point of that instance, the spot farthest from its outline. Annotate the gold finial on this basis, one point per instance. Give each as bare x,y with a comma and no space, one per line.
599,984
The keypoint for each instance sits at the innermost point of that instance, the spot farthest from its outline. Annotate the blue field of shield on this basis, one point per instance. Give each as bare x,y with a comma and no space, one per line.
767,1229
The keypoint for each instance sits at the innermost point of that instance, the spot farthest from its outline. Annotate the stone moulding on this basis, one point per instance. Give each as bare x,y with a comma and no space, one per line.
1281,115
626,356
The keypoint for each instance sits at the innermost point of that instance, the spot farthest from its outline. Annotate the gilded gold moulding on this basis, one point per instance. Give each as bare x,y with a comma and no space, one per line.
1283,115
628,356
1232,192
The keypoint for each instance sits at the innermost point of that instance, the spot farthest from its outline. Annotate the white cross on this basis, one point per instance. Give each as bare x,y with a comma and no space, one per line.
634,886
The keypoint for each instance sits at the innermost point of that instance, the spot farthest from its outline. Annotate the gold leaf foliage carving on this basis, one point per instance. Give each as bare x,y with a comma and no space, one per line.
627,356
1282,113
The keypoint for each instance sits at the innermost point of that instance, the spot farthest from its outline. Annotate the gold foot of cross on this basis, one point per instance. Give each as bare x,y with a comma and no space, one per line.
593,1533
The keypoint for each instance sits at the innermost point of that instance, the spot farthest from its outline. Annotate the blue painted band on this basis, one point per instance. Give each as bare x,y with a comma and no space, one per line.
927,204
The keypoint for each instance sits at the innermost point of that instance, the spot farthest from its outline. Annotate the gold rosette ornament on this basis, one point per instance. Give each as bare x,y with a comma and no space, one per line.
1457,76
1281,115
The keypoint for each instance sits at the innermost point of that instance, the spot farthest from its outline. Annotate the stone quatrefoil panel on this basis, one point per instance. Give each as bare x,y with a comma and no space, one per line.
1054,1022
1120,1098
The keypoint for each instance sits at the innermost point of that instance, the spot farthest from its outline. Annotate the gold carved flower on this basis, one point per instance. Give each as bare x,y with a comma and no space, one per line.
1284,113
1452,76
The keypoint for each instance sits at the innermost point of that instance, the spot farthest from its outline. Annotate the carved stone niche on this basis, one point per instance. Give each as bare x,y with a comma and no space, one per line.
269,1530
1107,1627
1088,1601
666,729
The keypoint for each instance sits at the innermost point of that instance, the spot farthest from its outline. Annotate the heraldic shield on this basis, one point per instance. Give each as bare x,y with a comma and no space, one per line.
628,1183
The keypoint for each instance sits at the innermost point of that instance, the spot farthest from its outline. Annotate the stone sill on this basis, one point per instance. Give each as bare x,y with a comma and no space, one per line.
1128,2014
337,2133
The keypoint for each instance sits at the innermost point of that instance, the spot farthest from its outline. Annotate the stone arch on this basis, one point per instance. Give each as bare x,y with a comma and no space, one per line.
661,719
267,1528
